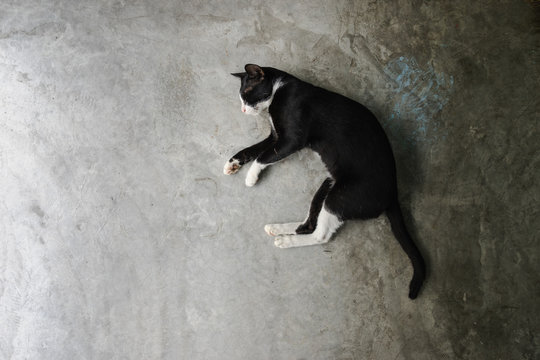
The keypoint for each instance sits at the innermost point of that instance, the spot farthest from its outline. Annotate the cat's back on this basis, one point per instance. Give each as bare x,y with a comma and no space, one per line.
324,112
334,112
342,124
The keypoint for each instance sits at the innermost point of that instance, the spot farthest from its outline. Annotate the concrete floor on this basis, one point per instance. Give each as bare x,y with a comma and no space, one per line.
122,239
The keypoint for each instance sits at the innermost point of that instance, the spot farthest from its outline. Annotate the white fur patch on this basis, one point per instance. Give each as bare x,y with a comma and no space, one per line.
327,224
248,110
263,105
272,125
253,173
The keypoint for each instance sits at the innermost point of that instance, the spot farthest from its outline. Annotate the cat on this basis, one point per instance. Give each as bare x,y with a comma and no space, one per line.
351,143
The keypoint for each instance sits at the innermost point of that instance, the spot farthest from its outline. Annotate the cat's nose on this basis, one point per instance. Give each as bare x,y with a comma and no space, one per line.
243,109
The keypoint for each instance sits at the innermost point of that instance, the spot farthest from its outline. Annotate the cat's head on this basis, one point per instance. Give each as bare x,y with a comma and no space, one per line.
255,89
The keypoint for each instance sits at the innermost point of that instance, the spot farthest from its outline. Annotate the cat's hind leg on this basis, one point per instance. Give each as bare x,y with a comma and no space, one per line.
282,229
327,224
309,225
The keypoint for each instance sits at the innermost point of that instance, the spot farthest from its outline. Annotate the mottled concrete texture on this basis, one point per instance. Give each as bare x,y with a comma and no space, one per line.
120,237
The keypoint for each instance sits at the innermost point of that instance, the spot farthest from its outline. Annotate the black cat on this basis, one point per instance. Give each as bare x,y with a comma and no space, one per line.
350,141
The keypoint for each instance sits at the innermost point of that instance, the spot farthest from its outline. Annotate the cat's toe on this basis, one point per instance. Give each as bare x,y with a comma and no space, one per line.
231,167
269,230
283,242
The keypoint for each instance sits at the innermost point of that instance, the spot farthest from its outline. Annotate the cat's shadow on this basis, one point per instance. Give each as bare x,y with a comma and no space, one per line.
410,177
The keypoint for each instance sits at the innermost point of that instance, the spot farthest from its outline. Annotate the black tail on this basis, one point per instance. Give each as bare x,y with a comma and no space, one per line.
402,235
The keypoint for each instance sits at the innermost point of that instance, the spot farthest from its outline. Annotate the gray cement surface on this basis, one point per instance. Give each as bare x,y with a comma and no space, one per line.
120,237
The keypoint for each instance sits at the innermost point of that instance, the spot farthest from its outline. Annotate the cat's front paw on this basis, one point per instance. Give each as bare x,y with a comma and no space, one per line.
231,167
251,178
253,173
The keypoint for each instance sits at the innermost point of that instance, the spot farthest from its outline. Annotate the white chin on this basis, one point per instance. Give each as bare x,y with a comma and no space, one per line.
250,111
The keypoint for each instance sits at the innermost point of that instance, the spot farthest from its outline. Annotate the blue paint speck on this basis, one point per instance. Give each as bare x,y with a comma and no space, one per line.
420,94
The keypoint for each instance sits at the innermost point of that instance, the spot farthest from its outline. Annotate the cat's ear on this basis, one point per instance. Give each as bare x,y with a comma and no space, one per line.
254,71
239,75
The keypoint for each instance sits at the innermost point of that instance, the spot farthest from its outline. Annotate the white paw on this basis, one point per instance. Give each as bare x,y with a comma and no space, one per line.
281,229
283,241
253,173
231,167
251,179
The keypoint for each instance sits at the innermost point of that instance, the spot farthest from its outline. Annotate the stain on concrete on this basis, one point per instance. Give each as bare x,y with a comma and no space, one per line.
420,94
43,218
38,211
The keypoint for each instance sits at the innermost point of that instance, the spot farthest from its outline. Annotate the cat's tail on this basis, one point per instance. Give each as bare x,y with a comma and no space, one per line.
402,235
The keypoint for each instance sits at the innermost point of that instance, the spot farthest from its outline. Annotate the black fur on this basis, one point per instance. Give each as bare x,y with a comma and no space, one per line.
351,143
